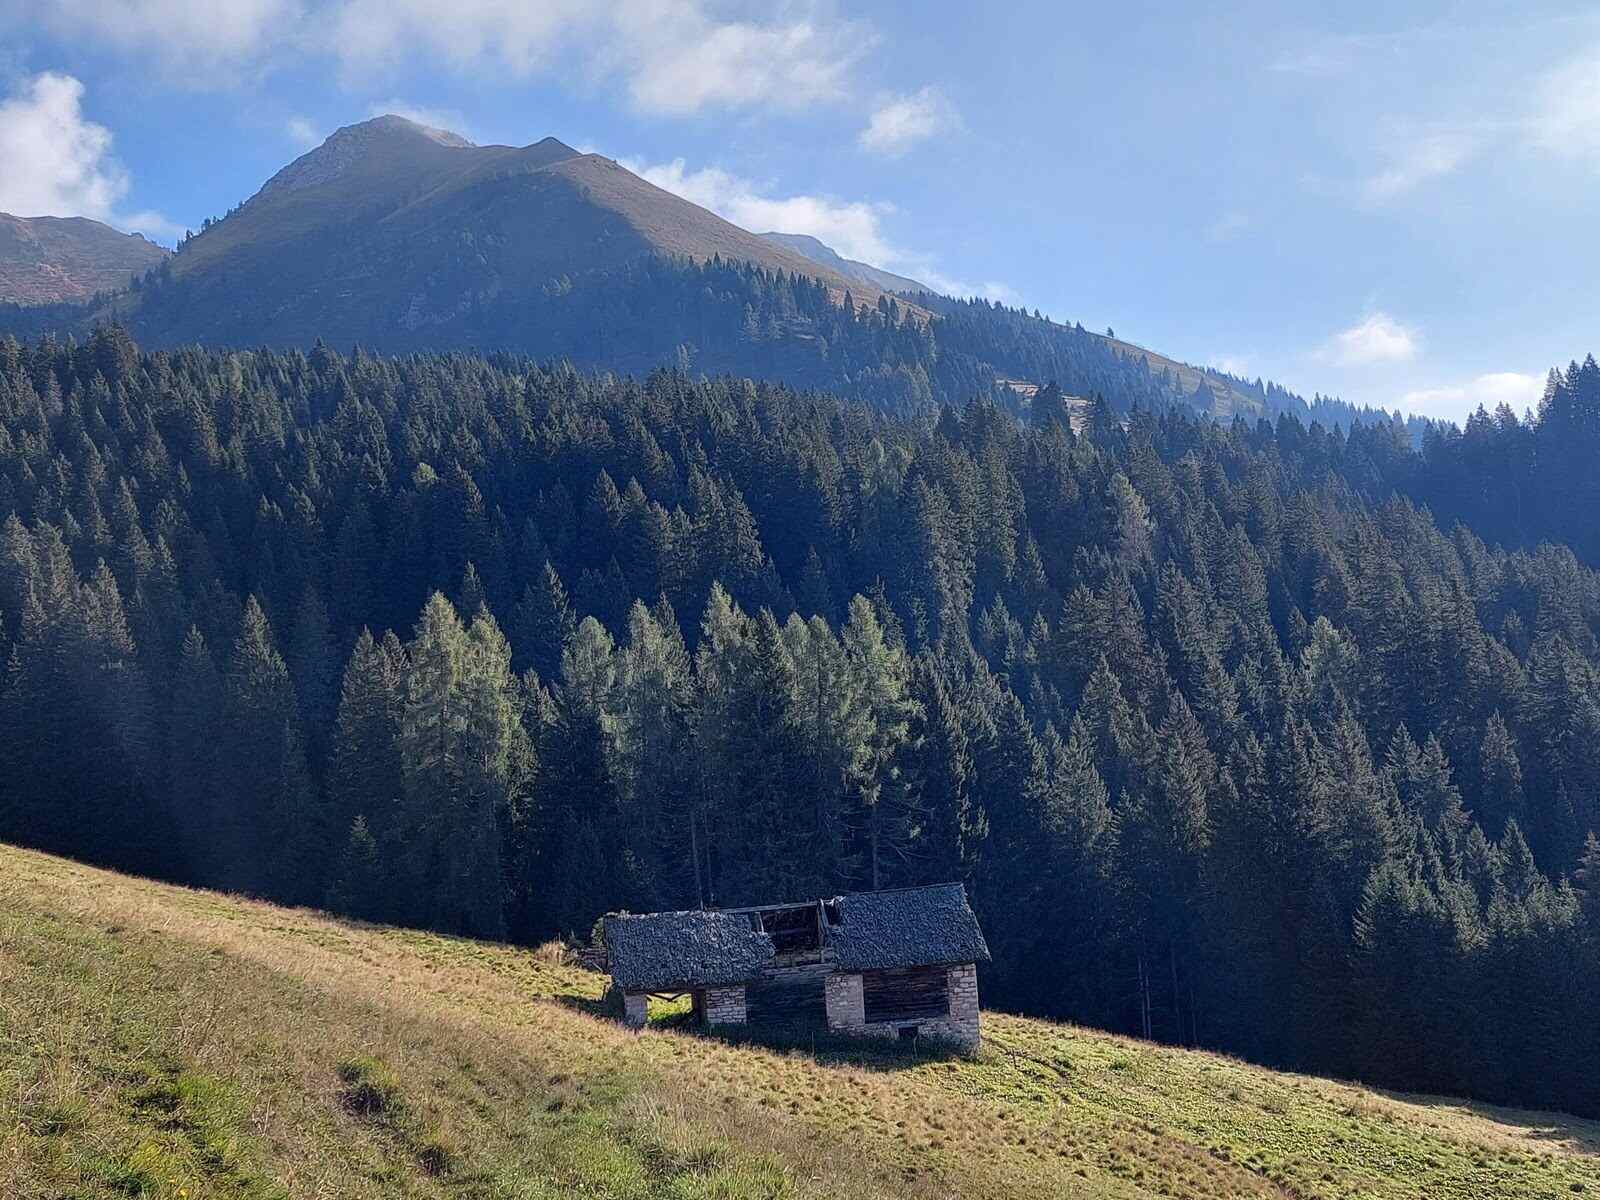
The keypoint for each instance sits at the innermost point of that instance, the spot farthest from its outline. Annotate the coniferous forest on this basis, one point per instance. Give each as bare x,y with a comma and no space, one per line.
710,317
1278,740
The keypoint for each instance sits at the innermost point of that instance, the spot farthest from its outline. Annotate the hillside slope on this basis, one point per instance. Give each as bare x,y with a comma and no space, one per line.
851,268
391,233
161,1042
47,260
403,238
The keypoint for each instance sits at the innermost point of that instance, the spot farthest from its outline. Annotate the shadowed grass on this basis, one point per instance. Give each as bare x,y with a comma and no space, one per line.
161,1042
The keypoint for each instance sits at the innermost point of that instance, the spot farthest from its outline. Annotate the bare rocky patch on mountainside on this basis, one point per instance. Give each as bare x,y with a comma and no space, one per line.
46,260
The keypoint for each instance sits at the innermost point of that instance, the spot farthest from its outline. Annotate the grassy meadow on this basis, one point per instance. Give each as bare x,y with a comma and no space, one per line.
162,1042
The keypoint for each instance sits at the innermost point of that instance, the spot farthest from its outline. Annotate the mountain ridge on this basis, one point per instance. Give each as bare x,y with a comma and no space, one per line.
405,177
820,252
48,260
401,238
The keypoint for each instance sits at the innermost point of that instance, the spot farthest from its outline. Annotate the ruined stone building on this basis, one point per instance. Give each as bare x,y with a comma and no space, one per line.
892,964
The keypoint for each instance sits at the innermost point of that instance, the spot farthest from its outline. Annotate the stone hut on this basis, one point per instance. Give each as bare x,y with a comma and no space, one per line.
897,963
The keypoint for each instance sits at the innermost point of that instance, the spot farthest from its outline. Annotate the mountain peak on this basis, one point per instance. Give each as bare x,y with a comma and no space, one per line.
391,124
388,141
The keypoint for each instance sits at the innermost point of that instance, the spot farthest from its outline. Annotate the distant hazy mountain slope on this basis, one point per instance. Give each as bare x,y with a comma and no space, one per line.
850,268
45,260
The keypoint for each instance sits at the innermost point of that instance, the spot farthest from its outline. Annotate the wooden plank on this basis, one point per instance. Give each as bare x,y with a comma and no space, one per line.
904,994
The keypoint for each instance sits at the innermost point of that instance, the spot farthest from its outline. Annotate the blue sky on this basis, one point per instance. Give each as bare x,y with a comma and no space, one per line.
1396,207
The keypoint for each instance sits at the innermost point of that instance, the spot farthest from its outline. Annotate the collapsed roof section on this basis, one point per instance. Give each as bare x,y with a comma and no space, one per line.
864,931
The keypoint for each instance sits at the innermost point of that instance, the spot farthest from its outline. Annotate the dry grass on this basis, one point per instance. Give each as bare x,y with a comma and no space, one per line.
162,1042
555,954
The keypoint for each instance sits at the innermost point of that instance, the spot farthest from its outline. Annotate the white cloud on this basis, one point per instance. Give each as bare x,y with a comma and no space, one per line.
60,164
1557,114
1377,339
1426,157
900,122
152,224
1232,364
369,36
671,56
674,56
203,41
1566,116
57,163
679,59
302,132
1457,401
854,228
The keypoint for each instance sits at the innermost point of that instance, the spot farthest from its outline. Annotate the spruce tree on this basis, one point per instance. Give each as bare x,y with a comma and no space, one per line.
360,885
542,625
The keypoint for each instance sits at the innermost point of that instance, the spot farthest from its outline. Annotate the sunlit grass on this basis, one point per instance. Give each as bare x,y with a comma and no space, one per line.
161,1042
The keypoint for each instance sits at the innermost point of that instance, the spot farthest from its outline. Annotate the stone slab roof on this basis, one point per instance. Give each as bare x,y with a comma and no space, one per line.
668,951
909,927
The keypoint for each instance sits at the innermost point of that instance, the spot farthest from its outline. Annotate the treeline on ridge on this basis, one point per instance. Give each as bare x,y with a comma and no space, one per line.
715,317
1233,745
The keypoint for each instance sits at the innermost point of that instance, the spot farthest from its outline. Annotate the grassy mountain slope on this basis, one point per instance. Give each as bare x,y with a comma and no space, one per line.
543,206
851,268
404,238
392,232
161,1042
46,260
1227,398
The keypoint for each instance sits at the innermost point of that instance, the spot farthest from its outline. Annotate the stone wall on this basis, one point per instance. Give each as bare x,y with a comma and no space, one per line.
725,1005
635,1009
961,1027
845,1004
847,1008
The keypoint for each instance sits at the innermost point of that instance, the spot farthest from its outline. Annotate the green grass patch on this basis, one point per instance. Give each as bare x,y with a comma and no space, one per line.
157,1042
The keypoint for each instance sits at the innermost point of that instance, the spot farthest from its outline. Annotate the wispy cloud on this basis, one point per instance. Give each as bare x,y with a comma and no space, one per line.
1377,338
1459,400
1565,120
200,42
679,59
1327,55
1556,115
302,132
854,228
1419,159
669,56
901,122
59,163
447,119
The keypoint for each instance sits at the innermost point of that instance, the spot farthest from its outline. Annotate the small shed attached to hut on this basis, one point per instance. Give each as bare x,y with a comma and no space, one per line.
897,963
